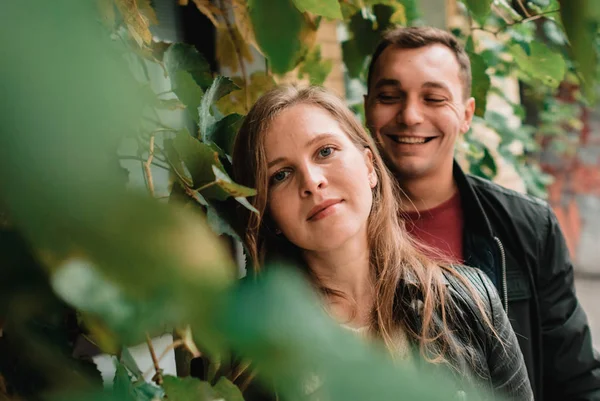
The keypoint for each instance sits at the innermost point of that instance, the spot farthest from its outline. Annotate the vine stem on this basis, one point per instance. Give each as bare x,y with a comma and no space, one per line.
523,8
238,52
158,379
203,187
531,18
147,165
142,160
172,346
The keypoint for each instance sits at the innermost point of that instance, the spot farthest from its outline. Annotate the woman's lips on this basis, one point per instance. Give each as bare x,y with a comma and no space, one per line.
324,209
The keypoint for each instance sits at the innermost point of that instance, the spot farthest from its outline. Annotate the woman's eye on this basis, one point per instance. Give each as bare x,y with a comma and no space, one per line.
279,176
326,151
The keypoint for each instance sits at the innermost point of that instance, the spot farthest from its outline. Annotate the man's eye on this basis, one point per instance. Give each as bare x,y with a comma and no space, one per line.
279,176
326,151
387,98
435,99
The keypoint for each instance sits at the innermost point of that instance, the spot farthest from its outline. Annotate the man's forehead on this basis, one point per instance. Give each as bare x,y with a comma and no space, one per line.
428,64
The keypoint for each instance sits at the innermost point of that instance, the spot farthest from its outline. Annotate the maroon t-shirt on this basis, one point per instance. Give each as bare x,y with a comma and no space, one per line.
440,228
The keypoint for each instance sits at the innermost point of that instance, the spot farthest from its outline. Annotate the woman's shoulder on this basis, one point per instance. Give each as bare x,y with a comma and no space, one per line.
466,283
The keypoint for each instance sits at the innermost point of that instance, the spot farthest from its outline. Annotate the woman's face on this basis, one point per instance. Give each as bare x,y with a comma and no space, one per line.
320,183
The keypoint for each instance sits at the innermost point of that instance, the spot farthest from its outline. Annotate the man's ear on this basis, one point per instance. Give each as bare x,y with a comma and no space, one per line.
468,116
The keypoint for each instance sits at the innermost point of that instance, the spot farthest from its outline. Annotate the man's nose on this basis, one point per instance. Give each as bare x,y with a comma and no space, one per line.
411,113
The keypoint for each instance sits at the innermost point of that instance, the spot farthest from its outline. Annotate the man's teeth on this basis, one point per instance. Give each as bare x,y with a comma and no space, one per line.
409,139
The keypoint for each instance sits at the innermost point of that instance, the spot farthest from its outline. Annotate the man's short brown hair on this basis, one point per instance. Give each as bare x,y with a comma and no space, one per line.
417,37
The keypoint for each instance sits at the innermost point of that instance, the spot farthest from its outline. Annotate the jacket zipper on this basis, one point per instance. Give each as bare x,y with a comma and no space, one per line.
504,285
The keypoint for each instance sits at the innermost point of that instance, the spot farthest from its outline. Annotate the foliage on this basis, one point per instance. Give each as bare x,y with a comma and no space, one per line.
133,266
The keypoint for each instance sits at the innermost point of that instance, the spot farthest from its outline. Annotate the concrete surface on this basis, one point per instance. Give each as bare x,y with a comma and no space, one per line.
588,292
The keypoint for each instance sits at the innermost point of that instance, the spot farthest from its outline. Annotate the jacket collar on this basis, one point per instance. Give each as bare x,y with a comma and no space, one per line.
476,220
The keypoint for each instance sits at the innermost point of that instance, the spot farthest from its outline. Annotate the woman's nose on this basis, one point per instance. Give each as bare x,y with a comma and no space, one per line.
313,180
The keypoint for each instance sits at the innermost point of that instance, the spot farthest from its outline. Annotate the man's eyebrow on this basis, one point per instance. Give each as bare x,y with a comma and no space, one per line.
387,82
436,85
308,144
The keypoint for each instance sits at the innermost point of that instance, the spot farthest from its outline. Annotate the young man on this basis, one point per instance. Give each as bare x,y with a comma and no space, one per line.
418,103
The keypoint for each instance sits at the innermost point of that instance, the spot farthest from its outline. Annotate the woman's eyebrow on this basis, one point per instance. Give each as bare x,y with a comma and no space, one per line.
276,161
311,142
319,137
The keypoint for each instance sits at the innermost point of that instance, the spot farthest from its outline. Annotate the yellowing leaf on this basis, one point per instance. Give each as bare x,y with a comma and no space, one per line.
210,11
188,341
326,8
316,68
147,11
231,45
243,22
399,16
235,102
239,192
137,24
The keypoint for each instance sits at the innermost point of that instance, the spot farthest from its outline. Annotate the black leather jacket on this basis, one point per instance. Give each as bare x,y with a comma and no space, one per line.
495,362
515,239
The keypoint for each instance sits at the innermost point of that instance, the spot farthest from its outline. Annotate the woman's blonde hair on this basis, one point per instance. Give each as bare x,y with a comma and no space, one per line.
403,276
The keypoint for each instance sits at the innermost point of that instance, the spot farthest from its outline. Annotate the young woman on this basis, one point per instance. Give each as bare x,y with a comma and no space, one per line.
327,202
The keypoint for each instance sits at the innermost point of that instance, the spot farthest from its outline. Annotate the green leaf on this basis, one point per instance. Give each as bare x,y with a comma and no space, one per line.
230,43
481,83
220,87
349,9
184,57
177,164
188,389
231,187
581,19
81,285
484,166
217,223
326,8
542,64
122,386
277,25
239,192
227,390
197,157
316,68
147,392
223,132
480,9
364,33
470,46
354,60
128,361
186,89
169,104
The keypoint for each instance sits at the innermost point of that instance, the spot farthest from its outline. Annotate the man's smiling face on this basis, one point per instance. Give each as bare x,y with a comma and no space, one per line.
416,108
